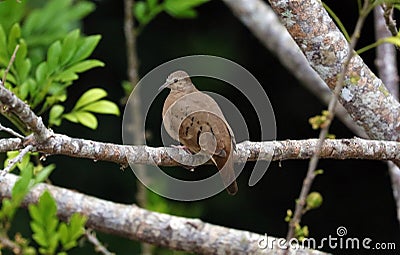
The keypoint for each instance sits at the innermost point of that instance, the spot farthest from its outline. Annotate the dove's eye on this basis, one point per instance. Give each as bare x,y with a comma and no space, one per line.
175,80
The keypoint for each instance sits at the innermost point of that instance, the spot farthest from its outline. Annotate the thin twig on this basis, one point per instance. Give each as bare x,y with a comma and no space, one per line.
390,22
10,131
386,64
10,244
15,160
135,105
324,131
130,40
98,246
133,80
10,64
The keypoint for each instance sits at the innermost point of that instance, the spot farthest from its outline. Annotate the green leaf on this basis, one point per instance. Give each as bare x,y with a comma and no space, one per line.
10,155
3,46
53,56
63,231
69,46
66,76
22,64
139,10
70,73
90,96
52,100
102,106
21,187
183,14
7,210
152,4
77,224
44,173
18,192
24,162
21,165
81,9
71,117
23,91
47,208
11,12
41,72
87,119
13,36
182,9
69,234
55,115
44,223
84,66
85,47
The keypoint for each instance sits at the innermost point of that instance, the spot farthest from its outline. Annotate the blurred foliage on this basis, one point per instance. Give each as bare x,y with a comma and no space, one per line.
9,206
51,234
49,58
145,11
41,54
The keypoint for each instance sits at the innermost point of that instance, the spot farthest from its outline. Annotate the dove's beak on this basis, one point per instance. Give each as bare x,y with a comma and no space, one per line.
165,85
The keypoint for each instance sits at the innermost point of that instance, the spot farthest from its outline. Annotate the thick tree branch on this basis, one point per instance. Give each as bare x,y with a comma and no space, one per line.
25,114
130,221
308,180
50,143
261,20
364,95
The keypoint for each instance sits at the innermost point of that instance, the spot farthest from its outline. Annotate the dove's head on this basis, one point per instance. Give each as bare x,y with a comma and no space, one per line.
180,81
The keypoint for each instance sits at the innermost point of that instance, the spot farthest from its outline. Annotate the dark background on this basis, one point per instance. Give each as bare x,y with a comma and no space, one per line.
357,194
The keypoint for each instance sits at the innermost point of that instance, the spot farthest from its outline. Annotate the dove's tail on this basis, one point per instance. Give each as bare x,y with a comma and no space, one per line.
225,166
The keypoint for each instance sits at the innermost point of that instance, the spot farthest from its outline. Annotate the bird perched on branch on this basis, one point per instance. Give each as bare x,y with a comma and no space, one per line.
195,120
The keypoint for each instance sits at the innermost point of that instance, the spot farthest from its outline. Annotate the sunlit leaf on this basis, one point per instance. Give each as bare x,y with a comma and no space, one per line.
102,106
90,96
87,119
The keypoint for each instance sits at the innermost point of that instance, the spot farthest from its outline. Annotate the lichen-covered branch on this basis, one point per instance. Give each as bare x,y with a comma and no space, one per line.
49,143
363,95
15,105
356,148
261,20
308,180
130,221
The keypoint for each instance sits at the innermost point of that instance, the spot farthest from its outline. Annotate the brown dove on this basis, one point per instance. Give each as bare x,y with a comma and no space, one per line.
195,120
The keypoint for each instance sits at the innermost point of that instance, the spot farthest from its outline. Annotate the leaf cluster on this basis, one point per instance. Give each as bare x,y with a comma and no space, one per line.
49,232
52,53
146,11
